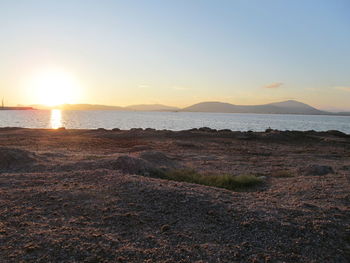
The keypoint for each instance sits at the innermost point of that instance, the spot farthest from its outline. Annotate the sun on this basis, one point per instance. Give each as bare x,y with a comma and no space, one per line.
53,87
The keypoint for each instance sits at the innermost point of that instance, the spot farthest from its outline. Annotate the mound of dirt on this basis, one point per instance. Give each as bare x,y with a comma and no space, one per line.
16,159
132,165
159,159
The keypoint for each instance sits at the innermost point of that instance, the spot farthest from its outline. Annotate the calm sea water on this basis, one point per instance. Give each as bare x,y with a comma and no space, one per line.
170,120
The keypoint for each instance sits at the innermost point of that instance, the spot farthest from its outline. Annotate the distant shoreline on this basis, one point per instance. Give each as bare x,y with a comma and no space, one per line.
17,108
200,131
340,114
283,107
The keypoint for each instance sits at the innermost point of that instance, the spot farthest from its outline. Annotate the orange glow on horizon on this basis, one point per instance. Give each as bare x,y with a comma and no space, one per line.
53,87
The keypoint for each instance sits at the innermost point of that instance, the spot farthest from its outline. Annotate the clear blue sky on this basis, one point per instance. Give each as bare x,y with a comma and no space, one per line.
182,51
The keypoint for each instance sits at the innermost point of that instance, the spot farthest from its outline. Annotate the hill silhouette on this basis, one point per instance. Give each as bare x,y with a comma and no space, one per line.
284,107
151,107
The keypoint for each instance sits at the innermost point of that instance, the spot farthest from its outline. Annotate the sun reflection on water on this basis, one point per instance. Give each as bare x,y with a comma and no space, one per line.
56,119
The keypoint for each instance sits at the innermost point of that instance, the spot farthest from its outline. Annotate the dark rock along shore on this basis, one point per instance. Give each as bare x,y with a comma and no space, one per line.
88,196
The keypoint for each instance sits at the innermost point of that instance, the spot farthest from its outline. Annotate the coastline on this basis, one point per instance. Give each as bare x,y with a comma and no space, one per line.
90,195
17,108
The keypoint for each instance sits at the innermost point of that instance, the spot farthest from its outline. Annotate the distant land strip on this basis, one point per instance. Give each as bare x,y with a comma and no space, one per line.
284,107
17,108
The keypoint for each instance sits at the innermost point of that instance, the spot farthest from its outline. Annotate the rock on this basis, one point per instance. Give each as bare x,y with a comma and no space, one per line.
14,159
164,228
337,133
115,129
316,169
206,129
136,129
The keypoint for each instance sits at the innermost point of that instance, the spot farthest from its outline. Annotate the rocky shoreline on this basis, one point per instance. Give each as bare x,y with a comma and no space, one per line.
90,196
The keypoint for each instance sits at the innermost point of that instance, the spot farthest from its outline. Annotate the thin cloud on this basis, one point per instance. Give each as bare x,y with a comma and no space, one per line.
343,88
274,85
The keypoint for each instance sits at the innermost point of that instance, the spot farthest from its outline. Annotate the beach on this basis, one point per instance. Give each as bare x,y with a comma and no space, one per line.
96,196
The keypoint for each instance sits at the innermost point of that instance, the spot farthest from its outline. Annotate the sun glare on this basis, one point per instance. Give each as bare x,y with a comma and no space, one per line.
56,119
54,87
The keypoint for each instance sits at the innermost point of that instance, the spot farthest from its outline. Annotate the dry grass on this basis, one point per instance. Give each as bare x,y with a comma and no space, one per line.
226,181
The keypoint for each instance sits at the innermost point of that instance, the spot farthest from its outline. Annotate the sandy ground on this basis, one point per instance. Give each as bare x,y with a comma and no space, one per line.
64,197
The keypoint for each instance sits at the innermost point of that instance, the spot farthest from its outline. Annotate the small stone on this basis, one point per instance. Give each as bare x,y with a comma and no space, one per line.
316,169
164,228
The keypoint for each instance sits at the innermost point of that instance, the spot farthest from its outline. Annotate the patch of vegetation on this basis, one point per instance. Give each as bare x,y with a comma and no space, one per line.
230,182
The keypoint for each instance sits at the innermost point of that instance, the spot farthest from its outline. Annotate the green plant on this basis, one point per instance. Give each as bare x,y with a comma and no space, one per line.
226,181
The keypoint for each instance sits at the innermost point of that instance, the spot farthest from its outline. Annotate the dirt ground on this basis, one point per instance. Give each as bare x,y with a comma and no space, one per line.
64,197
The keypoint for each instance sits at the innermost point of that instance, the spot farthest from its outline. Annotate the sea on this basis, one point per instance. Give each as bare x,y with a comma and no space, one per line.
169,120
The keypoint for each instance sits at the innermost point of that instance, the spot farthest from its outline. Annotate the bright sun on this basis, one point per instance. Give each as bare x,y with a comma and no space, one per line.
54,87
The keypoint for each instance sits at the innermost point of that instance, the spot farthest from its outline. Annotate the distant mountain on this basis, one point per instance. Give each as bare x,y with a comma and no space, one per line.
294,107
141,107
285,107
151,107
88,107
78,107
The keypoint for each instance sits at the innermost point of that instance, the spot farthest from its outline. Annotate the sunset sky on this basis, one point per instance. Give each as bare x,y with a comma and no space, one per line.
176,52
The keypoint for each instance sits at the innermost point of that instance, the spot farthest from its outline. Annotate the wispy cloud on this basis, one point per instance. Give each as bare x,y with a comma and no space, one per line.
343,88
274,85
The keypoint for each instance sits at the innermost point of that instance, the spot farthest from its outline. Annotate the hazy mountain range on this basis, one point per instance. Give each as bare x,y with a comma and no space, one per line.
141,107
284,107
152,107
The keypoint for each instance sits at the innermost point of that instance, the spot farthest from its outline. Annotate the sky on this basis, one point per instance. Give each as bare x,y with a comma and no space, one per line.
176,52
